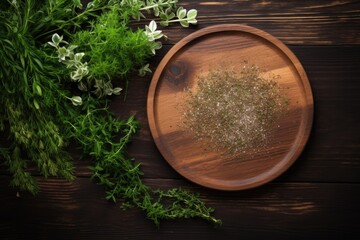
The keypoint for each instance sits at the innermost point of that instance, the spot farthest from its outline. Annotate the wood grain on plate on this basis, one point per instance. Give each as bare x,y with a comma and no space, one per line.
228,44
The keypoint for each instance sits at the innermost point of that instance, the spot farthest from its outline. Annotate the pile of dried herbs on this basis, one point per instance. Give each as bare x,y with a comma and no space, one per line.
233,110
58,62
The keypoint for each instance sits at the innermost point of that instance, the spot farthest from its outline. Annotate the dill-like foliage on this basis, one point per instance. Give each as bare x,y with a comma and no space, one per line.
112,49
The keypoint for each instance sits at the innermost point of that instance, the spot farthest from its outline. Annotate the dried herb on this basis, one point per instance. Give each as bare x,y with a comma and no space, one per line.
233,109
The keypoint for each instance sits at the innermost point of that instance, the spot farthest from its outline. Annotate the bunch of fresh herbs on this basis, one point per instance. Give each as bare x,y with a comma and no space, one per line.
47,47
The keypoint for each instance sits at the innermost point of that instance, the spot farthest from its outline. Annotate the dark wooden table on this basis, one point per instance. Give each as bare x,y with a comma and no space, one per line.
317,198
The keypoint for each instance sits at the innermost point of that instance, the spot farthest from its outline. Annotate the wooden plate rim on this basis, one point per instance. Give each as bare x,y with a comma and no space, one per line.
274,41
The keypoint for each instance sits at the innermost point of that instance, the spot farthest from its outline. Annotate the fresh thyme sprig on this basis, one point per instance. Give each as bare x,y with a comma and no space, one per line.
120,176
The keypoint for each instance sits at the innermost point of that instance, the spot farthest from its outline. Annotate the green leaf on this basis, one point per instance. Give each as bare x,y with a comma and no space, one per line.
152,26
62,51
76,100
36,104
117,90
38,89
181,13
59,21
184,23
156,11
192,21
22,61
77,3
171,16
78,56
9,42
56,38
192,14
39,63
163,16
52,44
72,47
164,23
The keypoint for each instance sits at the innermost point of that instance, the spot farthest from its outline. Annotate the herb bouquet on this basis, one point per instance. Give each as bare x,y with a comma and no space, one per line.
58,61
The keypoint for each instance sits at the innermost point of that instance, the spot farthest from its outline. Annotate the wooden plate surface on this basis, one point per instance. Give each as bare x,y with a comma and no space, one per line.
196,54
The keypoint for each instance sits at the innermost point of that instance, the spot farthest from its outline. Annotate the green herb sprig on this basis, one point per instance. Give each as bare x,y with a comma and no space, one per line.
185,18
122,177
42,115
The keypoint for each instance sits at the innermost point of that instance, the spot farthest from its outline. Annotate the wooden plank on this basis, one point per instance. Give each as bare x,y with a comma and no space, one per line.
334,142
331,155
276,211
294,22
316,199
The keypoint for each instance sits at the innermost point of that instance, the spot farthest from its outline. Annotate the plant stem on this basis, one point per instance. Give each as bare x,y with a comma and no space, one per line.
86,11
156,5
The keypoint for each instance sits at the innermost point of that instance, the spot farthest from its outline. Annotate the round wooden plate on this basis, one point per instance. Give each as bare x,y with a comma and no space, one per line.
231,44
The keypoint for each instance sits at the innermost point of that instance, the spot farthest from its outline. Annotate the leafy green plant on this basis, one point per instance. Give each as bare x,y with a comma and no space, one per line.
120,176
33,102
112,51
42,112
185,18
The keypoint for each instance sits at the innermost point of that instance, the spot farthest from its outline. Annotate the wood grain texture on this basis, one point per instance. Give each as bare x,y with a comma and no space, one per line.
275,211
332,154
317,198
330,22
215,47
